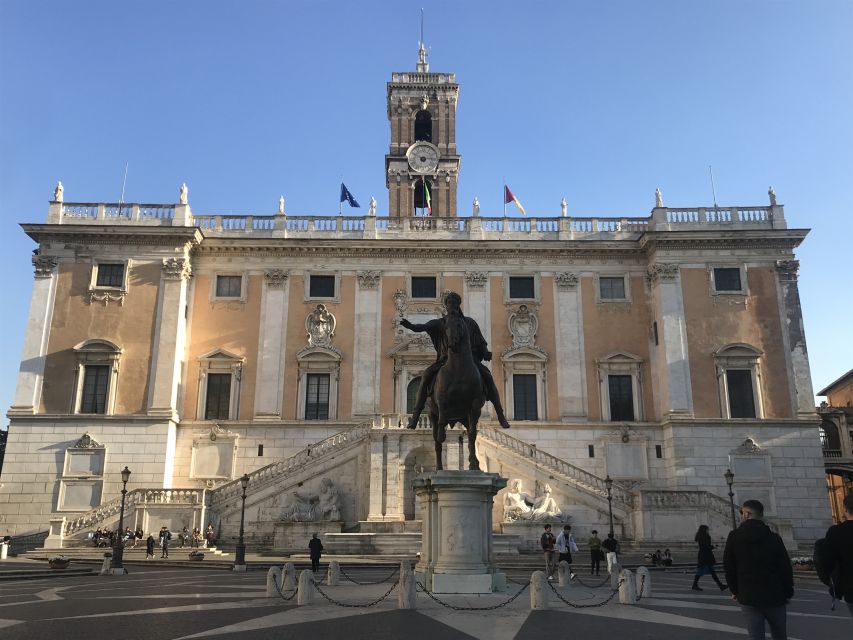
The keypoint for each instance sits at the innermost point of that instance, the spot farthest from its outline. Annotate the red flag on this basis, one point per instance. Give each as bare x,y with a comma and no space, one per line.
508,197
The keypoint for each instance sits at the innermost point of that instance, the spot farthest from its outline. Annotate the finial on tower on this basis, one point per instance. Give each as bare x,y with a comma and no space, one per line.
423,65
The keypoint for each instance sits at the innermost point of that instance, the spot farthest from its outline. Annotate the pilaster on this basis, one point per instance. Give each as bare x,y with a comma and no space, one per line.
269,388
674,368
365,382
31,372
568,320
169,338
794,337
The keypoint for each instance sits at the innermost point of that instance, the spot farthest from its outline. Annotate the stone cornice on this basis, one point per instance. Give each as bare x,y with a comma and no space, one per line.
114,234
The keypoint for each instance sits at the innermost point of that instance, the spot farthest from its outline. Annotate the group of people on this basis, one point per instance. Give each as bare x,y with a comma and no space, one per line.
107,538
560,549
659,559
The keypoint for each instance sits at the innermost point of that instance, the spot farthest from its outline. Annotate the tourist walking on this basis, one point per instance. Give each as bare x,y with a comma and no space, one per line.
165,536
315,550
705,561
548,541
149,546
839,561
611,546
565,546
759,573
595,554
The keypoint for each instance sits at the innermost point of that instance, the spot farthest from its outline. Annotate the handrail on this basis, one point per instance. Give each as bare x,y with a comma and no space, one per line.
260,478
575,474
133,498
677,498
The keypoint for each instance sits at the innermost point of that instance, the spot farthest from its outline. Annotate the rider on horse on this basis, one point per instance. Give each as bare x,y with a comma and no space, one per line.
479,350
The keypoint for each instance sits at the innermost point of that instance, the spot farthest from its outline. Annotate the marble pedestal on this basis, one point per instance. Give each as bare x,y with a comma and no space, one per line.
295,535
456,551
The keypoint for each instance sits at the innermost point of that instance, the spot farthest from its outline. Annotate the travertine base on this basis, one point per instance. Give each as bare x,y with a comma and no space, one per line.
456,552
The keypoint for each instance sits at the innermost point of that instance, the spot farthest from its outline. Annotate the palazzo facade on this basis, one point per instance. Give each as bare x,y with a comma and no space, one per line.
659,350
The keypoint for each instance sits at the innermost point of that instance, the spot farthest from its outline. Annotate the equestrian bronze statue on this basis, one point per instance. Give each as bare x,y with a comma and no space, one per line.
457,383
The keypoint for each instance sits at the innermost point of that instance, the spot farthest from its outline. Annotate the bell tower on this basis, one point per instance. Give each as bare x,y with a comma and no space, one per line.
422,165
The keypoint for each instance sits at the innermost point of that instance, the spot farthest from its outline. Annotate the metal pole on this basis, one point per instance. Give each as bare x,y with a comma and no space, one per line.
118,545
240,558
610,509
732,505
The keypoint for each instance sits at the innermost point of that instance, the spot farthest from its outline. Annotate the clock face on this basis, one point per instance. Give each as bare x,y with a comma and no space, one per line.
423,157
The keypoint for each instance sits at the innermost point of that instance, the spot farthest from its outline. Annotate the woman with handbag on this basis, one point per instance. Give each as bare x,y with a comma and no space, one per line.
705,561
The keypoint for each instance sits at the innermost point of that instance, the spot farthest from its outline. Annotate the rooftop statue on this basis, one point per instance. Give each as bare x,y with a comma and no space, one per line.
182,196
658,198
371,208
57,193
564,208
476,207
772,194
281,205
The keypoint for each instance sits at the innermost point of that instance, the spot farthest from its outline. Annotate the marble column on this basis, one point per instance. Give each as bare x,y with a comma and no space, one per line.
794,338
169,338
568,321
675,367
476,305
378,456
365,371
31,372
269,388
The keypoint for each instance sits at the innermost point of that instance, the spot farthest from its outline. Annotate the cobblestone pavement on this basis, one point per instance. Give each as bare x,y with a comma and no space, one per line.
160,603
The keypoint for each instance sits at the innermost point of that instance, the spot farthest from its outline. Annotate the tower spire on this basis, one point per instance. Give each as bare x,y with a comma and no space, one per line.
423,65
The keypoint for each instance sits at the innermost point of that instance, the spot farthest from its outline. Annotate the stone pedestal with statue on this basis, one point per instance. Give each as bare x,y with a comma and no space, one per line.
456,553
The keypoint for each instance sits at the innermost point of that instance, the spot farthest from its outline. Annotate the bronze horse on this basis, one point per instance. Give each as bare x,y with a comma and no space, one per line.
457,394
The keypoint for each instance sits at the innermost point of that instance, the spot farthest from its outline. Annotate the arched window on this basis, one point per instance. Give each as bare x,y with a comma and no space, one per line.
412,394
423,196
423,126
829,439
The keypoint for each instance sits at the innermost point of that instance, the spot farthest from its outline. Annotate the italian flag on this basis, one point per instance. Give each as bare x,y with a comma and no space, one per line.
427,197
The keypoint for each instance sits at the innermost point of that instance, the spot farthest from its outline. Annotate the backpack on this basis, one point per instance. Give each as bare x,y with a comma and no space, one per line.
828,571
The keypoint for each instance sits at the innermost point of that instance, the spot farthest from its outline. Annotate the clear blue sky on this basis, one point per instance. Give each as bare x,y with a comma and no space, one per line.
597,102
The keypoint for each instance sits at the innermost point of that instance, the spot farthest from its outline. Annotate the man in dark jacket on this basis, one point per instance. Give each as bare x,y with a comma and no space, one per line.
839,539
759,573
315,548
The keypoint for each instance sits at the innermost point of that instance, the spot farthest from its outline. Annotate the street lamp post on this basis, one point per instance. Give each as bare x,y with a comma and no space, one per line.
608,482
240,556
118,543
730,478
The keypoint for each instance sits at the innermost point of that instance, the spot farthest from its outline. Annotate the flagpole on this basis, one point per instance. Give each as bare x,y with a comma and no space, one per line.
123,185
503,195
341,202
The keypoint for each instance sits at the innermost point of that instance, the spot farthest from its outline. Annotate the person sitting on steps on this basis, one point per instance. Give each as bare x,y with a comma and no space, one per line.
479,350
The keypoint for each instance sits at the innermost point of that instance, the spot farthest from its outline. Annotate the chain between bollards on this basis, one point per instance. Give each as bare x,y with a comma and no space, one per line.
612,595
592,586
356,605
640,590
490,608
346,575
278,588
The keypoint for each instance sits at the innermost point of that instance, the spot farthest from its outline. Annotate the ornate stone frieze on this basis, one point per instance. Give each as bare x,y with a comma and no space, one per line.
788,270
176,268
87,442
523,325
275,278
44,265
749,448
321,507
662,272
400,300
566,280
368,279
107,296
320,325
476,279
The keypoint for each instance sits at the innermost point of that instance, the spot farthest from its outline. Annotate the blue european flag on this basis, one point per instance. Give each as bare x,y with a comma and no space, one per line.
346,196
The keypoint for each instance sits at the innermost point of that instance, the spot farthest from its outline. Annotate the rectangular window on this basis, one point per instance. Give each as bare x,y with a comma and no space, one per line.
727,279
217,404
260,450
741,398
317,397
612,288
621,398
110,275
521,287
423,287
591,449
524,396
658,451
229,286
96,382
321,287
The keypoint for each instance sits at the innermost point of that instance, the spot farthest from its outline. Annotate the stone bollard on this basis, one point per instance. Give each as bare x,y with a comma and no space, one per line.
288,577
407,592
333,575
644,583
305,594
274,576
564,574
614,575
106,567
628,588
538,590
